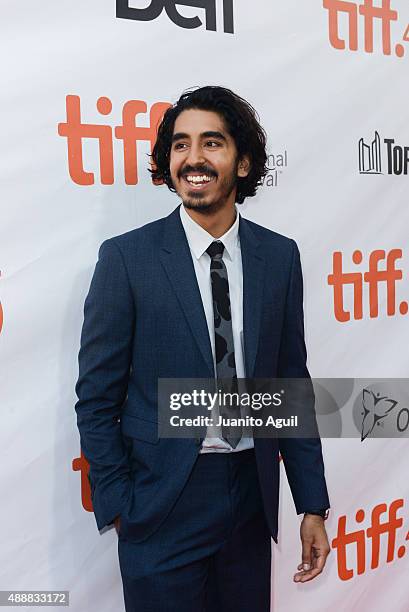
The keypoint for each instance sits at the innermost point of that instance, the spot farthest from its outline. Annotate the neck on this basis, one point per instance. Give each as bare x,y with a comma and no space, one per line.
217,223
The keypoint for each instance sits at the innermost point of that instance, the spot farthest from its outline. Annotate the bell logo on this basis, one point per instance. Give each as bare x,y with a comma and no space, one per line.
155,8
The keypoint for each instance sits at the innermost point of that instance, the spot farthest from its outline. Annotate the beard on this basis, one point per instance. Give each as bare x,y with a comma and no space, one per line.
199,201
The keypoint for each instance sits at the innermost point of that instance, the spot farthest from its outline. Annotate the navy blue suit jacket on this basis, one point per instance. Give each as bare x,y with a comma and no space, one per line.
144,319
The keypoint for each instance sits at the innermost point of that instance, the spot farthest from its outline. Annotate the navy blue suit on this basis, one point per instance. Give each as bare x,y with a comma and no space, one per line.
144,319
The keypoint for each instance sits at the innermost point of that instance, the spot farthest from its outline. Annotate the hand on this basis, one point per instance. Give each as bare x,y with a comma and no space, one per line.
117,523
315,548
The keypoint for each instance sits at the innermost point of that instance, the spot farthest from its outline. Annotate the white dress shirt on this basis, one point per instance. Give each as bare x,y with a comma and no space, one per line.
199,240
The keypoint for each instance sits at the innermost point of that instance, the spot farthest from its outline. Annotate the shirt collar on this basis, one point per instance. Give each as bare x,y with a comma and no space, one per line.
199,239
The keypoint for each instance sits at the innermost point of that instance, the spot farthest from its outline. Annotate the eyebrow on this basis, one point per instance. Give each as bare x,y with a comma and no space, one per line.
208,134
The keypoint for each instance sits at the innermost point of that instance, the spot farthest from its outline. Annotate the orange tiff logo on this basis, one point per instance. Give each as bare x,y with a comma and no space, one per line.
369,13
388,524
75,131
373,278
80,464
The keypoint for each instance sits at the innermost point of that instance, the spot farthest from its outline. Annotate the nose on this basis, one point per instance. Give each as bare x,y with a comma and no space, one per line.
195,155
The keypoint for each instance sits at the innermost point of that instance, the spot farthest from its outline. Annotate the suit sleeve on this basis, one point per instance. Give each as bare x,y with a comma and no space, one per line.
104,365
302,457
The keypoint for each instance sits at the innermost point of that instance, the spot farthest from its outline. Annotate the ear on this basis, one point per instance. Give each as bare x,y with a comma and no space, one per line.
244,166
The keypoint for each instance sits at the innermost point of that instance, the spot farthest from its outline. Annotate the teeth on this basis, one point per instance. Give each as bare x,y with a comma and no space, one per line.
199,179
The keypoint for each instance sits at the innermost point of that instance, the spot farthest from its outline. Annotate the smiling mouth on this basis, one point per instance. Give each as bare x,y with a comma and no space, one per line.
198,182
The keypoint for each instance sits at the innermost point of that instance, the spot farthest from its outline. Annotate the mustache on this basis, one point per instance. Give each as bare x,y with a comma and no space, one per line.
203,169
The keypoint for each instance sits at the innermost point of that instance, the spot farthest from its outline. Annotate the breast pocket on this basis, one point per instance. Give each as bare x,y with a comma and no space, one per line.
140,429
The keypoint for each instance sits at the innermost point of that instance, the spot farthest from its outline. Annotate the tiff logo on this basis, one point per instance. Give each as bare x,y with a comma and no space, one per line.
155,8
345,539
81,465
339,279
369,13
75,131
370,157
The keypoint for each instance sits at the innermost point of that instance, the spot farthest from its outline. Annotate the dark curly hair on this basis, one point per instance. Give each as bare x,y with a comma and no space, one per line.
242,123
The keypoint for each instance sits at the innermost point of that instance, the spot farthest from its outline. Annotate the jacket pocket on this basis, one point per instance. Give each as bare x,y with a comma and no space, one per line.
140,429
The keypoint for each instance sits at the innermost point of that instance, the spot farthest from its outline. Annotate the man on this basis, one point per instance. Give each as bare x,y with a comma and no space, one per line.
202,293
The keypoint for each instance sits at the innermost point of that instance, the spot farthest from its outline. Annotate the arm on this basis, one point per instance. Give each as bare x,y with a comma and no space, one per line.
302,457
104,364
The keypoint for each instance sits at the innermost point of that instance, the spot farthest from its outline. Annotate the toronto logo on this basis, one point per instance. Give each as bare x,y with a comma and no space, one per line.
370,156
155,8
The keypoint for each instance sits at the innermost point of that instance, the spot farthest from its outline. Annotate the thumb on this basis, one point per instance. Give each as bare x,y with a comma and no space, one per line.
306,554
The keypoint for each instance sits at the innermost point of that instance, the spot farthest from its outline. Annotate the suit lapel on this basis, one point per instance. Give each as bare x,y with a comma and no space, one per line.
177,261
253,283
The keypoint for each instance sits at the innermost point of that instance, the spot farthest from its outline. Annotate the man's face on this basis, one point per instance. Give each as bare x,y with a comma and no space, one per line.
204,164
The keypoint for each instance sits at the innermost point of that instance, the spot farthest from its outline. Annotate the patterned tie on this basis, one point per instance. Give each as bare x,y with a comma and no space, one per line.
223,336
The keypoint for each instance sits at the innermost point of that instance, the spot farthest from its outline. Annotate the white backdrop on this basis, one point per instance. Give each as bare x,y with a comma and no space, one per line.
316,102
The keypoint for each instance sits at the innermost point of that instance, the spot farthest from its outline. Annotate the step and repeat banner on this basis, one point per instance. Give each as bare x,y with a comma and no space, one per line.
84,85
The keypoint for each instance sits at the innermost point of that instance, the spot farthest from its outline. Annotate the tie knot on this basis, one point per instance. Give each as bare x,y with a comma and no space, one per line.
215,250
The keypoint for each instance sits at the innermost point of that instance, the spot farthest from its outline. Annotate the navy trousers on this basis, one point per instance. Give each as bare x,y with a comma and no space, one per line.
213,551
